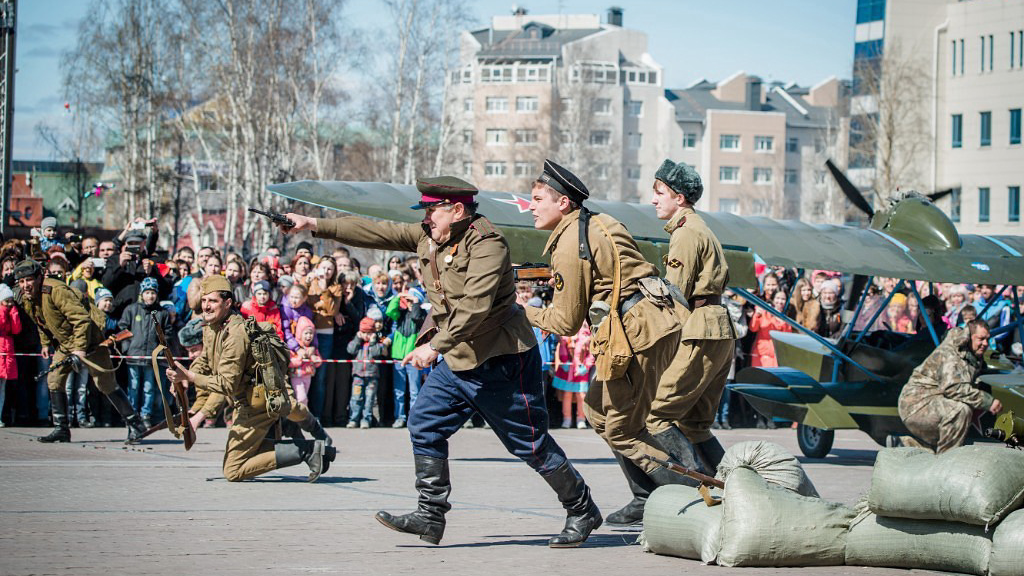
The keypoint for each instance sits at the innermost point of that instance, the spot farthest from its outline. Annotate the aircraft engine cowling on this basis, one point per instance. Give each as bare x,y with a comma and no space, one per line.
918,223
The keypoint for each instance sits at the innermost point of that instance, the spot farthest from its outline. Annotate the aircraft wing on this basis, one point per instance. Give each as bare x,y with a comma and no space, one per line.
981,259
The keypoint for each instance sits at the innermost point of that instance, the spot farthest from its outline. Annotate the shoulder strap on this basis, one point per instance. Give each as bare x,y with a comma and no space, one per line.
432,251
617,281
584,244
484,226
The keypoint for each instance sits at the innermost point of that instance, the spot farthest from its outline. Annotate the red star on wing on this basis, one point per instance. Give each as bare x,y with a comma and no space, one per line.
518,201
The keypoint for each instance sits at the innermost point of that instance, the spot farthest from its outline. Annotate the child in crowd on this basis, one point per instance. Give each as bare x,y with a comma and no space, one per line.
294,307
49,237
366,347
139,318
967,314
305,359
896,315
572,374
101,312
263,307
10,326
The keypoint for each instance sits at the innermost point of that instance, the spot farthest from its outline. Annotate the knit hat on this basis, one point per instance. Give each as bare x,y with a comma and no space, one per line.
48,222
191,334
148,284
5,292
367,324
285,282
898,299
261,285
301,325
101,294
374,314
304,246
830,285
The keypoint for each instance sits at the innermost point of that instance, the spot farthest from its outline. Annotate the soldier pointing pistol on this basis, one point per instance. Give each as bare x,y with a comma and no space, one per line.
491,362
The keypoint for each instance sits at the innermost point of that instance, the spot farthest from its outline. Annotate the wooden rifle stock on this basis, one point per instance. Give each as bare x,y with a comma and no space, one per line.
705,480
534,272
115,338
184,427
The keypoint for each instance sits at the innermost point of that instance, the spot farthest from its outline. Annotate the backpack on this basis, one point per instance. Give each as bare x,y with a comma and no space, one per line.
272,359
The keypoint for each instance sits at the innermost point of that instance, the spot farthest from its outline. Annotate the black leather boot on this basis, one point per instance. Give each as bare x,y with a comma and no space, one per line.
712,453
136,427
61,426
313,427
680,449
434,486
582,514
312,452
641,486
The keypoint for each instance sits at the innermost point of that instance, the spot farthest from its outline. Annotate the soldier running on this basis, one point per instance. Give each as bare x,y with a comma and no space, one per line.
938,401
64,320
491,362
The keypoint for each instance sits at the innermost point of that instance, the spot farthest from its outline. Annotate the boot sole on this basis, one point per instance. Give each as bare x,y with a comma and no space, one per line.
61,441
625,524
424,537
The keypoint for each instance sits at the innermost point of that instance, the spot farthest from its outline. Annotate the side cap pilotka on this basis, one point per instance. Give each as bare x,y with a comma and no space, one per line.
444,190
568,184
215,283
681,178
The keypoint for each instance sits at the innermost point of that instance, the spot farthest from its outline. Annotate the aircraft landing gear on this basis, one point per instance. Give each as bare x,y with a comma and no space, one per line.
814,442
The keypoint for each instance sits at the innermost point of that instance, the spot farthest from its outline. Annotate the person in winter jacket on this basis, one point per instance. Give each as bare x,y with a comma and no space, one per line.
367,347
10,326
138,317
305,359
407,315
292,308
263,307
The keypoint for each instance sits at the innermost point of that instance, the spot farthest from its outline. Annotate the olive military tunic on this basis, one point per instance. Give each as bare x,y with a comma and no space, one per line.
617,409
691,387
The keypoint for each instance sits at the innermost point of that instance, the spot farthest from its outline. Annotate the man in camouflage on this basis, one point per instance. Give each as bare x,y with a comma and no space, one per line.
939,399
65,322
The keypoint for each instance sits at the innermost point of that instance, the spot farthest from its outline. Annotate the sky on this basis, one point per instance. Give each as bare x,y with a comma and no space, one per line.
802,41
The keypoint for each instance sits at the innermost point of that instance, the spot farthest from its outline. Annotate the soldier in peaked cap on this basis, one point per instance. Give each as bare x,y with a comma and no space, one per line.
687,397
65,322
598,270
491,363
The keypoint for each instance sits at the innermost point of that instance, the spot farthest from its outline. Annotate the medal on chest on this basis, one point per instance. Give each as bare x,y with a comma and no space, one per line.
450,256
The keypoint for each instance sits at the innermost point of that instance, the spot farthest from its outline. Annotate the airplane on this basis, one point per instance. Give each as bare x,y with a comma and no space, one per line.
822,385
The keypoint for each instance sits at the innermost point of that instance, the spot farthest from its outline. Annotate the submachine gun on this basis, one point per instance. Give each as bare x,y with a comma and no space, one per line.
1008,429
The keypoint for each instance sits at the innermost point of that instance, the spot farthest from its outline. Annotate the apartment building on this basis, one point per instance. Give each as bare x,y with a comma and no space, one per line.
973,59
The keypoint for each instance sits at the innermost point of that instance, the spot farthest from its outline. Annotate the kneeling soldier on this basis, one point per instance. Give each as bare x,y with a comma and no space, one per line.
226,366
64,320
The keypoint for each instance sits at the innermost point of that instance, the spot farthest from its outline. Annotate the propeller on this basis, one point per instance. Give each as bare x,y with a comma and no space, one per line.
851,191
935,196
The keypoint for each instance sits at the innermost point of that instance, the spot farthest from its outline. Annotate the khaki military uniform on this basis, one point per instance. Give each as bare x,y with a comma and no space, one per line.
208,403
473,304
65,321
226,367
617,409
938,401
691,387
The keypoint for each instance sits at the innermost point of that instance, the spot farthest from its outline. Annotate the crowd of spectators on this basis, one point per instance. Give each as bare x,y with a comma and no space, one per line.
348,324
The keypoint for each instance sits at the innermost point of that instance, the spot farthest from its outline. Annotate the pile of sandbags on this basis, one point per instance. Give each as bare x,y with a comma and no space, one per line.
764,520
938,512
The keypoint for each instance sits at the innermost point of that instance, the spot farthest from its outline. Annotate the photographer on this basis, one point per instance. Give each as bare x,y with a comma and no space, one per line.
124,265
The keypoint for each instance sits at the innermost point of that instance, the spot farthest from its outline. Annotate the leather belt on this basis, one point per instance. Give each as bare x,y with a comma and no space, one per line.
630,302
701,301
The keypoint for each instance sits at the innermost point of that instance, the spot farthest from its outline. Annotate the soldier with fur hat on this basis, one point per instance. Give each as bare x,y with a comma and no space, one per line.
598,270
491,363
688,394
226,366
64,320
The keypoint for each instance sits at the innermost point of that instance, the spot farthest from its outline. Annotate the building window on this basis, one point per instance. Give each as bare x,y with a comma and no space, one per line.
527,104
603,106
961,56
532,73
729,174
633,172
494,169
1013,213
958,130
762,175
635,108
601,172
497,137
983,203
730,205
986,128
595,73
467,105
870,10
467,137
792,144
600,138
729,141
1015,126
954,205
689,141
522,169
791,176
953,53
526,137
635,140
991,51
764,143
467,169
496,104
982,53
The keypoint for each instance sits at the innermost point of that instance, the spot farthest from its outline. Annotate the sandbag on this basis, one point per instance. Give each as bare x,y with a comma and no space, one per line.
930,544
773,462
972,484
677,522
767,525
1008,547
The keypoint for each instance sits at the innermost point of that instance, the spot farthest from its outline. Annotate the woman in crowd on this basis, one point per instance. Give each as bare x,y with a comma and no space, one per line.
830,325
301,267
956,299
761,324
235,273
807,310
325,299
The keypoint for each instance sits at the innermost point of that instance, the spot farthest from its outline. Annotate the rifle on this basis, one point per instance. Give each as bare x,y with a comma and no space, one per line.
70,358
529,271
706,482
275,217
183,429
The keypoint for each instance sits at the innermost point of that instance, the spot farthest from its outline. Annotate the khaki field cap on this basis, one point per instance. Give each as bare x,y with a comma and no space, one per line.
215,283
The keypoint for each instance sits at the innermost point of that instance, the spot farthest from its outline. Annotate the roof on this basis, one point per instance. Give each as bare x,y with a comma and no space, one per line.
547,44
691,104
54,167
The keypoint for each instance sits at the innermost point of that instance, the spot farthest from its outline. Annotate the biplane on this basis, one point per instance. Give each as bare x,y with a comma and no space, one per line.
822,384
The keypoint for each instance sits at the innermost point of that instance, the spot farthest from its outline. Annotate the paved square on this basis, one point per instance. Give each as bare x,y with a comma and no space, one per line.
95,506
